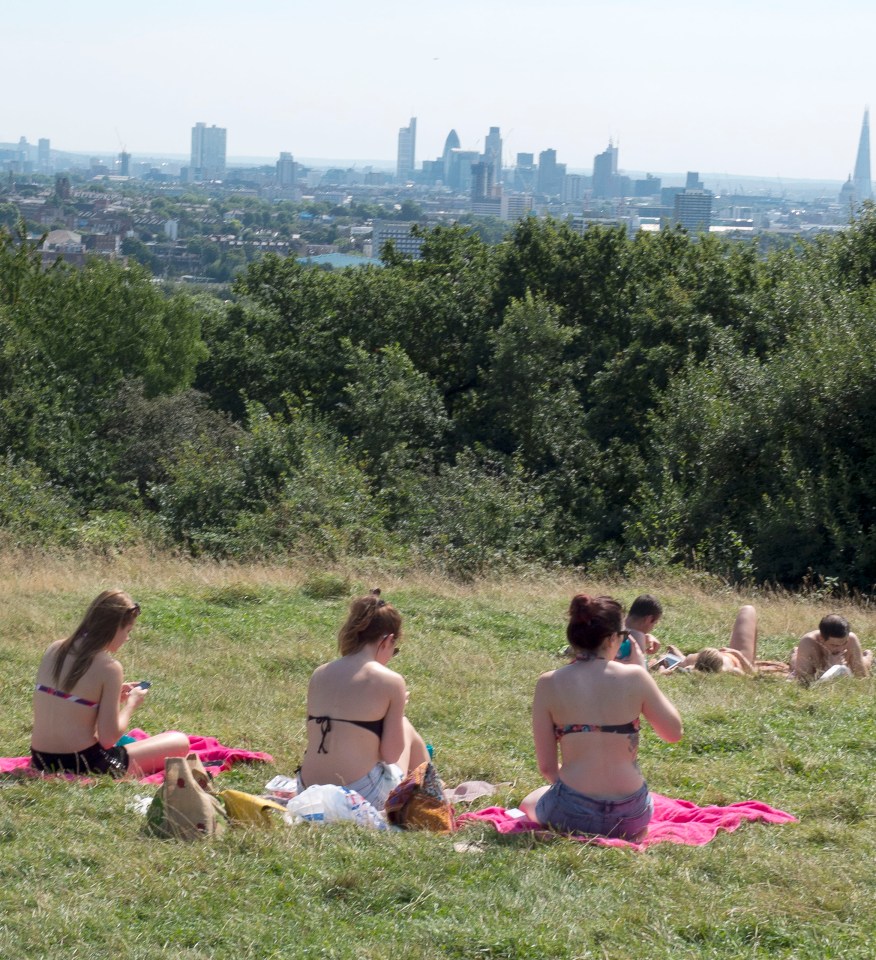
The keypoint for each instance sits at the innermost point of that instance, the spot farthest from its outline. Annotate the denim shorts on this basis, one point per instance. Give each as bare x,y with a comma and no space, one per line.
375,786
569,811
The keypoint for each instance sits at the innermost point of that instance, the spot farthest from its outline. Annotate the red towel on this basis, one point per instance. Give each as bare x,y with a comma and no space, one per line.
215,757
674,821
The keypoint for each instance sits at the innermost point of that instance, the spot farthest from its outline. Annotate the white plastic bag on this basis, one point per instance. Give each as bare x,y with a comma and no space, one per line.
329,803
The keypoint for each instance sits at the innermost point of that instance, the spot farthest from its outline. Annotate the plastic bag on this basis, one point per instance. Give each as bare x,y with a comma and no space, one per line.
329,803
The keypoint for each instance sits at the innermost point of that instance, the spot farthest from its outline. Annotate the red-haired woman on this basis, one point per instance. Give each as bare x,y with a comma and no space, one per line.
588,711
357,732
82,706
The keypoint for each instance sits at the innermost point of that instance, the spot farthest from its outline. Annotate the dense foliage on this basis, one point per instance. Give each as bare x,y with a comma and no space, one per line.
552,398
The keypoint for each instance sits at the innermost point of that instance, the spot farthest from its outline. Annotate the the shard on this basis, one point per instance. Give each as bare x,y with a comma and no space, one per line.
861,179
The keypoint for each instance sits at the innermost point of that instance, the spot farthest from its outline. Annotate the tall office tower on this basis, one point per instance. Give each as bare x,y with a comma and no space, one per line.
482,181
550,174
462,163
863,186
407,150
493,153
208,152
44,155
693,181
287,170
693,210
124,164
450,144
605,172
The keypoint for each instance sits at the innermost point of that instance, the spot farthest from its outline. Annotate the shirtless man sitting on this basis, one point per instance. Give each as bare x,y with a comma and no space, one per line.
831,645
645,613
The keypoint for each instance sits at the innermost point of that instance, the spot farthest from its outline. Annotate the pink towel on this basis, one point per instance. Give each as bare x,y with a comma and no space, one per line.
674,821
215,757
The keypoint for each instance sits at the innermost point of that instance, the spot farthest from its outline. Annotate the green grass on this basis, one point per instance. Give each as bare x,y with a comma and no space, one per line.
229,651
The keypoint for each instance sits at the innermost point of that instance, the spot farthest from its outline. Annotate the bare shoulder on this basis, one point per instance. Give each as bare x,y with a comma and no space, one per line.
379,672
810,637
106,666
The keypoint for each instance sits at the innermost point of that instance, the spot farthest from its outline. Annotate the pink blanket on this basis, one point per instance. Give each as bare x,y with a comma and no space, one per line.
674,821
215,757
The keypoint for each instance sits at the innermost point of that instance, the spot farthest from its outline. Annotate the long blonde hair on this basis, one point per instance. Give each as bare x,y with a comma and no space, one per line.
107,614
369,619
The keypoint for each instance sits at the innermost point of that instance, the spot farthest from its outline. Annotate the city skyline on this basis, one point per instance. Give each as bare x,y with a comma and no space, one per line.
738,88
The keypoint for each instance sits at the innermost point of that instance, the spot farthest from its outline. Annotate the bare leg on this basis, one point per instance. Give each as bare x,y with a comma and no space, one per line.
147,756
415,751
530,801
744,635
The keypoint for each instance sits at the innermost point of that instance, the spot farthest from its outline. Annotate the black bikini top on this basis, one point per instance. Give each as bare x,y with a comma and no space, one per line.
325,726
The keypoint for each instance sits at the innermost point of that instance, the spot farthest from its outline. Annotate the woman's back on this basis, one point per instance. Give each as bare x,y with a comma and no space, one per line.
65,720
594,707
348,701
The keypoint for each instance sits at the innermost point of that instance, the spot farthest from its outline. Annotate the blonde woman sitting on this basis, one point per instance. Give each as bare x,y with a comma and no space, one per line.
357,733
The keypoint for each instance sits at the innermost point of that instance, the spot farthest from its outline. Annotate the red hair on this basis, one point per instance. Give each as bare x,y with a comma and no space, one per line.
592,620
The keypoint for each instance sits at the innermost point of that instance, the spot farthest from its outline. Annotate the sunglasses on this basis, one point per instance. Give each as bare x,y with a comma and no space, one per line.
395,645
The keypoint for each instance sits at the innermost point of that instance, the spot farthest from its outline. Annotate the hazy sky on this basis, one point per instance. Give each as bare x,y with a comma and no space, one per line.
771,88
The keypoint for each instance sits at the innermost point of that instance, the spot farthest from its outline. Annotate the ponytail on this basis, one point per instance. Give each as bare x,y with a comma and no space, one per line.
369,619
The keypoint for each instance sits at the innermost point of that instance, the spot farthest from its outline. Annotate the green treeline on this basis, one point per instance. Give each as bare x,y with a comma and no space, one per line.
553,398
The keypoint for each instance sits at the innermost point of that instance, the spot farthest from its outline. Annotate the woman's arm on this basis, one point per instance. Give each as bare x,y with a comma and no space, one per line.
392,742
659,711
543,735
113,717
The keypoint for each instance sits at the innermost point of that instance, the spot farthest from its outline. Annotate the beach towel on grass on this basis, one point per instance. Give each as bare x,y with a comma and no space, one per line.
216,757
674,821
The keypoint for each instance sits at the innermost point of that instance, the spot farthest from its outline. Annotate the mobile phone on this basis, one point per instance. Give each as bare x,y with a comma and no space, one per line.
145,684
668,661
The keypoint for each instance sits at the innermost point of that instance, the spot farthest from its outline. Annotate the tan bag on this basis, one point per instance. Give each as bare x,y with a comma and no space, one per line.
184,807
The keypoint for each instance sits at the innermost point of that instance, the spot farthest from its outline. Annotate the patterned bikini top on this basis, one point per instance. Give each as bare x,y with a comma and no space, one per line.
42,688
625,728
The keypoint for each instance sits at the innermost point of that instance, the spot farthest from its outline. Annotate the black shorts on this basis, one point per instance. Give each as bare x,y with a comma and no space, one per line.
95,759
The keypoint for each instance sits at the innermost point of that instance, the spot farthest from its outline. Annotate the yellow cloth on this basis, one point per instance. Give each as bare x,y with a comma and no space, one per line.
246,809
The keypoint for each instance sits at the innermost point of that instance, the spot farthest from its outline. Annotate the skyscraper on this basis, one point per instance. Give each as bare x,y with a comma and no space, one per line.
550,174
407,149
605,172
450,144
493,153
693,210
287,172
208,152
44,155
861,180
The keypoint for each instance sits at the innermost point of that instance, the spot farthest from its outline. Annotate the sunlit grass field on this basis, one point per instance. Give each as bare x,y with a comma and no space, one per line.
229,651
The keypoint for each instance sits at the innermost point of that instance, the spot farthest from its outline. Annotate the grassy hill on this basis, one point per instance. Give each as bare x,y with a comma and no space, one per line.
229,650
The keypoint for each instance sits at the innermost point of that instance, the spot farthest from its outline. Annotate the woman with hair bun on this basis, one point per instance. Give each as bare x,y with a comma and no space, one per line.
357,733
82,706
588,711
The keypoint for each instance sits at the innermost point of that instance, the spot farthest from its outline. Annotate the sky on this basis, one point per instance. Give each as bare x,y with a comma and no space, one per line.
771,88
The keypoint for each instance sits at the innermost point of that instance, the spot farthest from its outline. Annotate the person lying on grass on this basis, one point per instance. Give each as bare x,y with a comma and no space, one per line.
357,733
832,645
739,658
588,711
82,706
